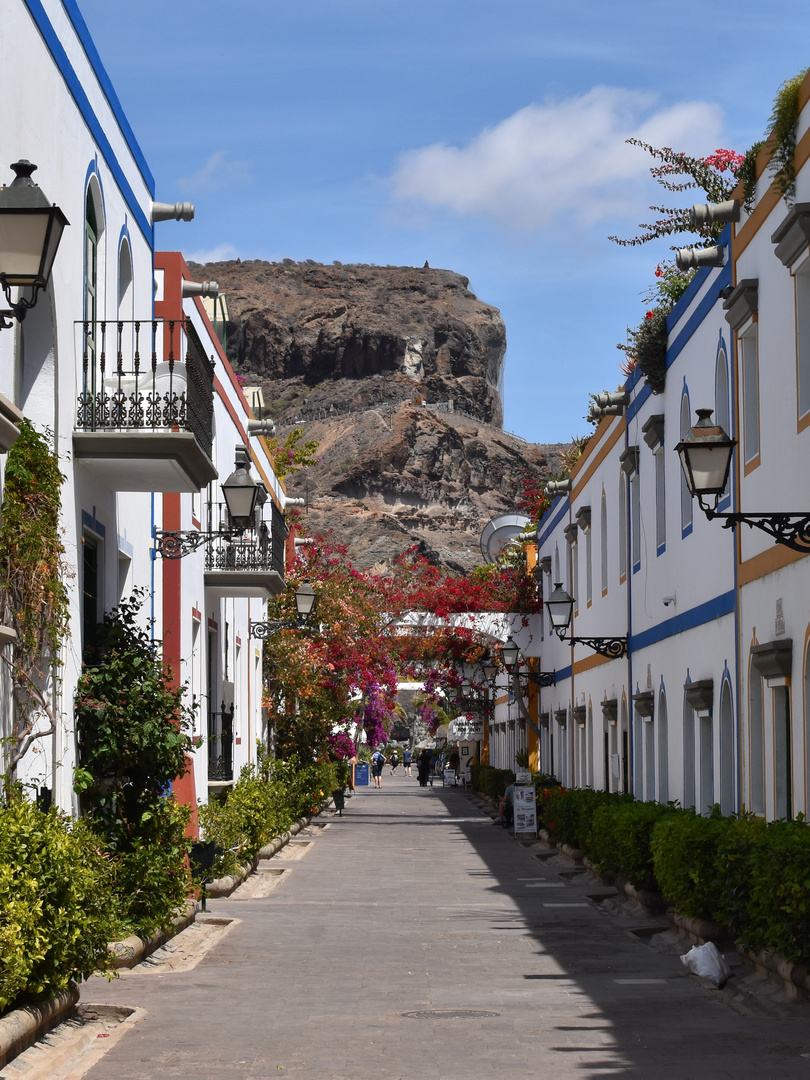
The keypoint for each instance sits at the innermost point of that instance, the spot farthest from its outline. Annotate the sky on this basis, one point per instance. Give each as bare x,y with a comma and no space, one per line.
486,137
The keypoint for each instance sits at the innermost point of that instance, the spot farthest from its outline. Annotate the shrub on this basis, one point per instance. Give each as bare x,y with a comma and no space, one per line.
685,848
491,781
569,813
245,818
777,875
57,910
264,802
621,835
151,880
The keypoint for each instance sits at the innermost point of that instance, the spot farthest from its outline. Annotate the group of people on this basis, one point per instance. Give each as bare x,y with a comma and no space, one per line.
424,764
378,761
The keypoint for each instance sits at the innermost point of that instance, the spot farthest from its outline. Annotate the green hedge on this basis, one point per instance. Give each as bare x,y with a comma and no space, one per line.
621,836
743,872
491,781
264,802
57,906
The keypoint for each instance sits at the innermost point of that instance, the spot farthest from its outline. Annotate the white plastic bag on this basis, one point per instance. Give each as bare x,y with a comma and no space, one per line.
706,961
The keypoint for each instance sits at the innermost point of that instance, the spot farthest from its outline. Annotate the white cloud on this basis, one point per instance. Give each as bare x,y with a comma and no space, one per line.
220,253
219,171
561,156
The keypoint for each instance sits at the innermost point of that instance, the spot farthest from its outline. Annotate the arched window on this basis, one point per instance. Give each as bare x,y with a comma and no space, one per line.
722,399
622,526
603,542
756,734
125,291
663,748
726,750
688,754
686,497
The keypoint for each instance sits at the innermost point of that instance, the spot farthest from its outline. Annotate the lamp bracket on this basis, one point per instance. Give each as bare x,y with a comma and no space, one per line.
269,629
174,544
542,678
614,648
791,530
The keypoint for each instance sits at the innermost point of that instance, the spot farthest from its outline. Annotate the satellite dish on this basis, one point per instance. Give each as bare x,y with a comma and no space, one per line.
498,532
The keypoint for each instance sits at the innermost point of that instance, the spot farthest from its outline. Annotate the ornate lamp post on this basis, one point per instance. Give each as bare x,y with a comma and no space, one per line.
705,455
305,598
30,231
510,656
240,492
560,607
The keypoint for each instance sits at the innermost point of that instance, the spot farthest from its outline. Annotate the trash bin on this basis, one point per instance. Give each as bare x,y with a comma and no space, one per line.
361,774
339,799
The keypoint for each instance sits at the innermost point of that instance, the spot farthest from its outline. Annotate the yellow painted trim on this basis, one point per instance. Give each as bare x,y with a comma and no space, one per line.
771,198
753,464
767,562
590,662
598,457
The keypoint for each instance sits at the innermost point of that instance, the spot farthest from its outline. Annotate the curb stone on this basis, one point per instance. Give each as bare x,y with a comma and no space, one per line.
132,950
23,1026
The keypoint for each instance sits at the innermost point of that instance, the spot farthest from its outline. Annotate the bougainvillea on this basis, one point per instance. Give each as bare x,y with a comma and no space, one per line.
369,631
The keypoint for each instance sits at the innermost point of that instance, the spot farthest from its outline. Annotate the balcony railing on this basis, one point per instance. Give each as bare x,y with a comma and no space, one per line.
260,549
145,376
220,744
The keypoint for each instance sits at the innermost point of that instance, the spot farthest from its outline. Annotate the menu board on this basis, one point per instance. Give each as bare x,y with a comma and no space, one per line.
525,808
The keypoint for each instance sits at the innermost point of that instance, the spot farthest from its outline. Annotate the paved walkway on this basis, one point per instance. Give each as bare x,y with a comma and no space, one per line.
414,940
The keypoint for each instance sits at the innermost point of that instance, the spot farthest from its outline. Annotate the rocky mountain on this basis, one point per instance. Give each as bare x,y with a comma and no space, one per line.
395,372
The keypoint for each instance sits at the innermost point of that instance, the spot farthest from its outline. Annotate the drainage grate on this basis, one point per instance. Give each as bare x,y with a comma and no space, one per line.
450,1014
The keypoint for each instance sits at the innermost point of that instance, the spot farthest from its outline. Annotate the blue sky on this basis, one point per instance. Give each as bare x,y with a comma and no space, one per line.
485,136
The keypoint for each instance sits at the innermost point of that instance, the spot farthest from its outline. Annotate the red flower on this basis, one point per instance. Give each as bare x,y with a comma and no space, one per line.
650,315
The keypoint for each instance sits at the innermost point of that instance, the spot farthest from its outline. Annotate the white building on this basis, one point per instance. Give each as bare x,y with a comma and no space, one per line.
121,365
710,703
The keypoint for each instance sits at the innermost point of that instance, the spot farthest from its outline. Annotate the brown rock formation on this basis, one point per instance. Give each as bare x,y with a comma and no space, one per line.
395,371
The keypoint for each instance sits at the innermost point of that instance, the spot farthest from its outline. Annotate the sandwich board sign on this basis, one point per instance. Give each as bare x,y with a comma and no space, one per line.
525,809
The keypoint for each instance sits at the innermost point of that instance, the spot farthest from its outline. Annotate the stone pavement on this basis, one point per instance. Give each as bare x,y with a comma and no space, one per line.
412,939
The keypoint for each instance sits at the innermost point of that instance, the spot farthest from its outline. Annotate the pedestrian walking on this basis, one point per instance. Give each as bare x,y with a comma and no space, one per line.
407,758
377,762
423,767
394,762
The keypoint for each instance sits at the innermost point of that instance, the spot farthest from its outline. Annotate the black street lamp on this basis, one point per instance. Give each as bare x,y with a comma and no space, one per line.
560,607
510,655
305,598
241,493
705,455
30,231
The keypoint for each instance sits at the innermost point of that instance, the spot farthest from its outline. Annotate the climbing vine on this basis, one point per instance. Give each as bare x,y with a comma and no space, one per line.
33,595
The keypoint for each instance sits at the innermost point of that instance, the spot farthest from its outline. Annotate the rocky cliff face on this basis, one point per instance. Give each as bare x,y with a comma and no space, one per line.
395,371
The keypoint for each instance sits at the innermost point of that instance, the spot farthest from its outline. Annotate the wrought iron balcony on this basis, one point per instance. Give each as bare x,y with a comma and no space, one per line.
146,404
249,564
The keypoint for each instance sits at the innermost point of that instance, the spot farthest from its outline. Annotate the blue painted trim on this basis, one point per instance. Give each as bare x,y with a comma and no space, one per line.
721,605
83,34
660,550
125,546
552,518
78,94
152,560
638,401
92,171
706,305
90,522
561,674
636,567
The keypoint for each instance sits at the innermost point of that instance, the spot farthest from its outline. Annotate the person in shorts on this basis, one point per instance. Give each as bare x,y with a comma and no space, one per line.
377,762
407,758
